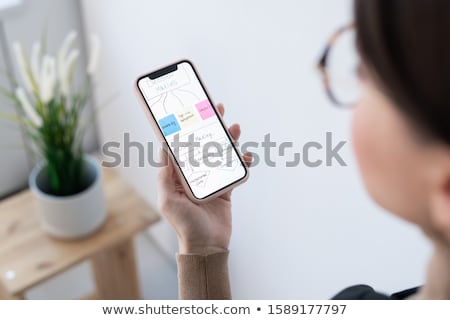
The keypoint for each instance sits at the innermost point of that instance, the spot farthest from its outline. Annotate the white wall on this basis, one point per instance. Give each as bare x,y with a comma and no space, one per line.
298,232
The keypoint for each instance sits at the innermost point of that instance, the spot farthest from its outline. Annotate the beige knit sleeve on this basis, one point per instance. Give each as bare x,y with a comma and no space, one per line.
203,277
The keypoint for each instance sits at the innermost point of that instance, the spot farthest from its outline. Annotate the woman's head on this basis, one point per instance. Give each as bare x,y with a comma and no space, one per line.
401,127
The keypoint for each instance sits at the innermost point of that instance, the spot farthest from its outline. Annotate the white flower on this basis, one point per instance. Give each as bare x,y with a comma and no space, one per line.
94,54
47,79
62,61
62,53
23,66
35,62
30,112
66,74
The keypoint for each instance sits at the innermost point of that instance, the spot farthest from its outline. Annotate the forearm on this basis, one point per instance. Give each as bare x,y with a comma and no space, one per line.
203,277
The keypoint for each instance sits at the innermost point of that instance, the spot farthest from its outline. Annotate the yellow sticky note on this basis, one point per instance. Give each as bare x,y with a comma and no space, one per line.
187,117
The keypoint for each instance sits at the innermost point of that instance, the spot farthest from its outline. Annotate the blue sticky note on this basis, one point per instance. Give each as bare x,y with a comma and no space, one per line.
169,125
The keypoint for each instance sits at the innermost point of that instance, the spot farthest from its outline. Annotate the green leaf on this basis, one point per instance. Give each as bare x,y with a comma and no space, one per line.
9,95
9,76
53,178
21,120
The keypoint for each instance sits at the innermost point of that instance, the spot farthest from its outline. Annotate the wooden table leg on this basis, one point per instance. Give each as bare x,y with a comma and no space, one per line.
115,272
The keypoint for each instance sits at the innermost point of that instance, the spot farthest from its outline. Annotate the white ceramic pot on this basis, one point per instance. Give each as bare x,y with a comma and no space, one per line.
74,216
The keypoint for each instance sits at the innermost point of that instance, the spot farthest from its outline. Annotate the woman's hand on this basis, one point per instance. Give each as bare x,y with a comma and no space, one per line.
201,228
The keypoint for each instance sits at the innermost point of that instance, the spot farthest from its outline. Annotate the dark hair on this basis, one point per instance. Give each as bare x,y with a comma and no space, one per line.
407,45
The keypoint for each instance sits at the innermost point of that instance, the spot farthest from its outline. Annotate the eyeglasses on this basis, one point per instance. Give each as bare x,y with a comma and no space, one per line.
338,66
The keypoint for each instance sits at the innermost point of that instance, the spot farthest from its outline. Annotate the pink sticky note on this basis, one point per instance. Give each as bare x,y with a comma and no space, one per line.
205,109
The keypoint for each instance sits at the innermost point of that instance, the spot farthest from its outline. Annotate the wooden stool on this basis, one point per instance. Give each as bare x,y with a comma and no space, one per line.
28,256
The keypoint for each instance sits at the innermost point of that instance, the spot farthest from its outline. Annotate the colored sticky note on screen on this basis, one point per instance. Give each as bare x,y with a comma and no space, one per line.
187,117
205,109
169,125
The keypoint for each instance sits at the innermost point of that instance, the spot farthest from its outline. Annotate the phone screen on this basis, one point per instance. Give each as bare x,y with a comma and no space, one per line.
191,127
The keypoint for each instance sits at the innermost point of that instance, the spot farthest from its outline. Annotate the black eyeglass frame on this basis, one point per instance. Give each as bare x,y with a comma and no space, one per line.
322,65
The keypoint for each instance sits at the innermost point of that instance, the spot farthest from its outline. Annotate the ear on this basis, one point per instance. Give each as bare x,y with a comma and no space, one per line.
440,210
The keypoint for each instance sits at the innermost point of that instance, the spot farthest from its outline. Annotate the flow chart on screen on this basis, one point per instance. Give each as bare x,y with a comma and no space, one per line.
184,114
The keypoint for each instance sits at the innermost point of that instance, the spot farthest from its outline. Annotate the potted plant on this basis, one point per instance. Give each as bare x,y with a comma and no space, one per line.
66,182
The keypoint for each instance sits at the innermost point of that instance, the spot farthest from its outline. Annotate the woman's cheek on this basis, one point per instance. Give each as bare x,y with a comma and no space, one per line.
369,145
360,132
388,161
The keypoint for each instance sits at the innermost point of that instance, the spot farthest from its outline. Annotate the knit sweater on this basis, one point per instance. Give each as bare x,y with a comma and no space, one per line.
205,277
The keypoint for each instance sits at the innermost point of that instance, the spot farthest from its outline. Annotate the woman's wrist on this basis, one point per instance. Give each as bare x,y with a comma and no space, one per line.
186,248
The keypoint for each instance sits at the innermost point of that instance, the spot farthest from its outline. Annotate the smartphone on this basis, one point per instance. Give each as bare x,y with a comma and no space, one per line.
186,121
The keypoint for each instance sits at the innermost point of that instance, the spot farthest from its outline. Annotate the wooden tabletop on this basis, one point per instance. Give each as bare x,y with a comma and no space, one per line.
29,256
